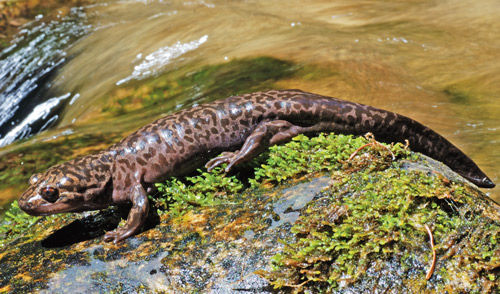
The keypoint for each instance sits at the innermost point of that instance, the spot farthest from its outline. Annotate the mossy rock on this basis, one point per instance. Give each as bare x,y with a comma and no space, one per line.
309,218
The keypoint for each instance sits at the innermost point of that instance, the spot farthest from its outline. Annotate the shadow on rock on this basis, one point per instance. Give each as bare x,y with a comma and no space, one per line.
91,227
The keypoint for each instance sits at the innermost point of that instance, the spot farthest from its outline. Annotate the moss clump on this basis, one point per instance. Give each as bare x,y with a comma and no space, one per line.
14,223
305,155
301,156
374,216
364,232
205,189
210,82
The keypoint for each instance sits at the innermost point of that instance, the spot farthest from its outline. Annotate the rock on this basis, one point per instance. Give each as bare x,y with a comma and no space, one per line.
304,224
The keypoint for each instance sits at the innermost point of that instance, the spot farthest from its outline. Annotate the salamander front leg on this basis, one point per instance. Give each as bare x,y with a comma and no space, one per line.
265,135
136,217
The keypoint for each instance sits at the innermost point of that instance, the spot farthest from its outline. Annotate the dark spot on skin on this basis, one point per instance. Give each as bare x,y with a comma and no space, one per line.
156,167
75,175
211,113
147,156
225,122
161,122
162,159
259,108
141,161
123,162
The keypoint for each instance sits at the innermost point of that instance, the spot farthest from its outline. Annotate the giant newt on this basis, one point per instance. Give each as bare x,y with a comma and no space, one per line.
239,126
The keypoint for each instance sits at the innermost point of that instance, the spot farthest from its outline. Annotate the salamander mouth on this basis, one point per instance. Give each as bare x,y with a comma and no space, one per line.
37,206
46,208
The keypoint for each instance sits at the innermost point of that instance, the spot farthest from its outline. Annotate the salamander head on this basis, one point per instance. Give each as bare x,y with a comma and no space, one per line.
57,191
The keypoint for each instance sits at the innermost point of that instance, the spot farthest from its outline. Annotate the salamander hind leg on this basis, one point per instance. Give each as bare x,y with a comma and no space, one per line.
265,135
136,217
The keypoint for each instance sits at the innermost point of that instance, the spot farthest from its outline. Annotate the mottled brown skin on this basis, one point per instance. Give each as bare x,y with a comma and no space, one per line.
242,126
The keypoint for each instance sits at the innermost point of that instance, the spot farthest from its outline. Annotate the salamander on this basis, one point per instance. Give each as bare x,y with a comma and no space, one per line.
240,127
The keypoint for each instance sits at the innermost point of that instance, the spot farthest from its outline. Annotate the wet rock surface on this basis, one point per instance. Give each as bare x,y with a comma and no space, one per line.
354,229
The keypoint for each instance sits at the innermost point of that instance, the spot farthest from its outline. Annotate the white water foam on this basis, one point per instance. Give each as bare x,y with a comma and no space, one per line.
154,62
41,111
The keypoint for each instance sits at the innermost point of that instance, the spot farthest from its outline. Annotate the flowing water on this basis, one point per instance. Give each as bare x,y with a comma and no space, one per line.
27,68
435,61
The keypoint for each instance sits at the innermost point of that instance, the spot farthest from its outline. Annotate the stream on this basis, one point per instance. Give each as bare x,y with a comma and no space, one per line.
112,66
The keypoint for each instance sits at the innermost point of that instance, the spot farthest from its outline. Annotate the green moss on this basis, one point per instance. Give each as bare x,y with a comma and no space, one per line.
301,156
366,229
205,189
373,215
305,155
14,223
378,215
210,82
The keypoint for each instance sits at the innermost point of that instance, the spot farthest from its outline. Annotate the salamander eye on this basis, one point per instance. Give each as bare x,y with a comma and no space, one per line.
50,194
